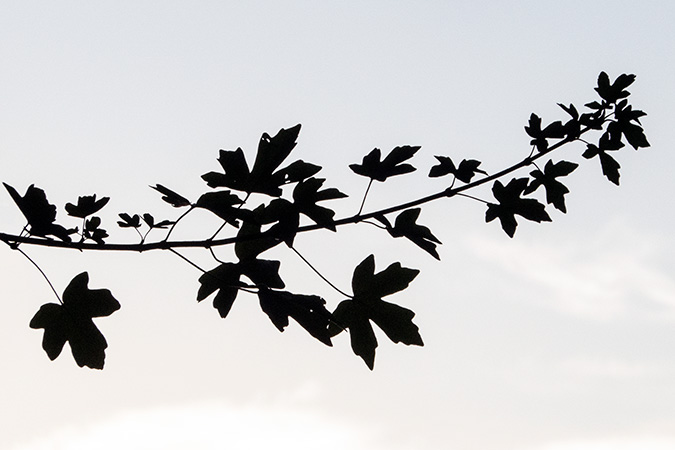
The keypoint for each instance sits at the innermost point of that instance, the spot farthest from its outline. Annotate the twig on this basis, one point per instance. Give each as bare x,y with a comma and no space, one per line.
319,273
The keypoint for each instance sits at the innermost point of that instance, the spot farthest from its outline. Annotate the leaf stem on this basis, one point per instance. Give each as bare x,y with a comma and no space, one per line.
363,202
58,297
473,198
319,273
186,260
166,238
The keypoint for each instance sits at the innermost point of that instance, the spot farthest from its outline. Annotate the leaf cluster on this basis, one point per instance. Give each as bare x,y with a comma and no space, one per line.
271,201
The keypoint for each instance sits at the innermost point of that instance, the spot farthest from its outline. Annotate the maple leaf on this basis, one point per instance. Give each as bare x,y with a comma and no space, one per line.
611,92
625,116
93,231
39,213
72,322
464,172
264,177
222,204
406,226
554,130
610,166
285,217
573,126
226,279
129,221
305,196
251,242
373,168
86,205
236,172
174,199
555,190
367,305
151,223
308,310
510,204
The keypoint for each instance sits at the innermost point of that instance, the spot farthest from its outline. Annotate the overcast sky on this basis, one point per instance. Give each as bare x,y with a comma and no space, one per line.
562,338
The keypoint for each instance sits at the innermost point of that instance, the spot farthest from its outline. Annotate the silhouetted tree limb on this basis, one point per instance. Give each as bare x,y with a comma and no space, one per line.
277,220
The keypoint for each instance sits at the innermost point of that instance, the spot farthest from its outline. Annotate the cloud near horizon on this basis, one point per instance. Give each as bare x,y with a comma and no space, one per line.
610,274
209,427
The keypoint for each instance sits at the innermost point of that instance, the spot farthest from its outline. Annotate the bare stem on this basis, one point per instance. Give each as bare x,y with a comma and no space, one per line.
319,273
58,297
166,238
473,198
186,260
363,202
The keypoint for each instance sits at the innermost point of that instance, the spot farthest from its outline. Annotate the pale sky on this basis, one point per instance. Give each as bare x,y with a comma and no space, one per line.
562,338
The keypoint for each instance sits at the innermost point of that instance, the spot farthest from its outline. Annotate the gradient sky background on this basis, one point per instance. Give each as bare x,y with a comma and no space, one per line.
560,339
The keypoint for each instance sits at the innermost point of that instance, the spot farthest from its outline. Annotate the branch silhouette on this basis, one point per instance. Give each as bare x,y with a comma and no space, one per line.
164,244
604,127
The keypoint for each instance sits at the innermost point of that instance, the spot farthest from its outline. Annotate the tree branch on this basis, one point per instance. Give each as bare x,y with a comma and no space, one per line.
12,240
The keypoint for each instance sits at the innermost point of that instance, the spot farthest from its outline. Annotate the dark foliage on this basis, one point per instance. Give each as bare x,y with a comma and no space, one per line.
273,202
71,322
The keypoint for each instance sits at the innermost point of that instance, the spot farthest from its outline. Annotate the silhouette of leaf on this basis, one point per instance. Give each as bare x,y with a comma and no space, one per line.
373,168
174,199
93,232
129,221
633,132
594,120
272,151
86,205
262,272
406,226
305,196
611,92
249,245
555,130
72,322
367,305
573,126
226,279
285,217
510,204
150,221
298,171
308,310
39,213
222,204
464,173
555,190
610,167
262,178
236,174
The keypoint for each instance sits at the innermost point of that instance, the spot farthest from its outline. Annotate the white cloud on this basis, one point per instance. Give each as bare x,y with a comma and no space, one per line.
209,427
626,443
612,368
611,274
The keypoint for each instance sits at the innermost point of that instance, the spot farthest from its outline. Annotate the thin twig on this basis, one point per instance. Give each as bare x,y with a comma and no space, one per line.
58,297
319,273
363,202
186,260
242,286
166,238
213,253
473,198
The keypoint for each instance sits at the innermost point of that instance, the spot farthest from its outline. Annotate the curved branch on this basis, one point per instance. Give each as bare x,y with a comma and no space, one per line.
12,240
